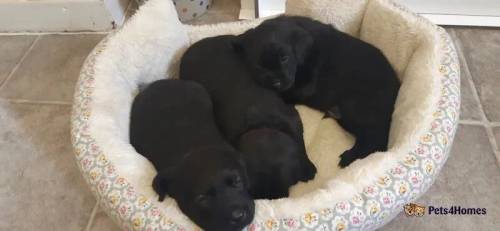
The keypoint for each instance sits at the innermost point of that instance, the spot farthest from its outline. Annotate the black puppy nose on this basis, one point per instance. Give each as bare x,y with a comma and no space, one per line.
277,84
238,215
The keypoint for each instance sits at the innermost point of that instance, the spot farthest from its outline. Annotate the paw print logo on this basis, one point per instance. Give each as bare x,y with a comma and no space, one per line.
419,210
409,209
412,209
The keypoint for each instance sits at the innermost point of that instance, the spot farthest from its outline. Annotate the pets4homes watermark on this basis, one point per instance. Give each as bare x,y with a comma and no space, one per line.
418,210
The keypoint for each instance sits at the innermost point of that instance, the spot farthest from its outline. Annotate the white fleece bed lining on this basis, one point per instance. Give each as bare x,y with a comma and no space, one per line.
147,48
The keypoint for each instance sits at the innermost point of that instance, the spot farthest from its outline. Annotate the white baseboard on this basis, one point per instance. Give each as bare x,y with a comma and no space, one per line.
61,15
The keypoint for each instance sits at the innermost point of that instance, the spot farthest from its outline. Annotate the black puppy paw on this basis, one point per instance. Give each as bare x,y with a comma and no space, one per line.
279,194
347,158
309,171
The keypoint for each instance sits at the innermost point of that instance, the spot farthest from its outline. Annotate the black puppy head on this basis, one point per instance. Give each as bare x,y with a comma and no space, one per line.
273,53
210,186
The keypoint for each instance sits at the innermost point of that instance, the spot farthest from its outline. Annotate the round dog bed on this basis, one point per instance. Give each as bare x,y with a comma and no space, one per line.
365,195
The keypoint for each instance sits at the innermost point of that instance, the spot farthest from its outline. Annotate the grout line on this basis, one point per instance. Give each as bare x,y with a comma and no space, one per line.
477,122
493,142
475,94
27,101
471,122
16,67
92,216
56,33
21,60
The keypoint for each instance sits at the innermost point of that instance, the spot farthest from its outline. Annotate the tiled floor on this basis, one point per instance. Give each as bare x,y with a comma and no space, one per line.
41,188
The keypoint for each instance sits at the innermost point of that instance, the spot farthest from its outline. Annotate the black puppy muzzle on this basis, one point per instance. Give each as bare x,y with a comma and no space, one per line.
239,216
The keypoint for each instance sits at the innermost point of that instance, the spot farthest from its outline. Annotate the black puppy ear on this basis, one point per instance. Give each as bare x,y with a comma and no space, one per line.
161,183
301,41
238,41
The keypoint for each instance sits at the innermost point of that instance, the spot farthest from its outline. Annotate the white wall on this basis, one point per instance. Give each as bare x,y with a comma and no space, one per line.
458,12
458,7
443,12
271,7
61,15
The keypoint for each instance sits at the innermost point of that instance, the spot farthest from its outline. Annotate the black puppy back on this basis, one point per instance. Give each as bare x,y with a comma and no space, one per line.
240,104
339,72
172,116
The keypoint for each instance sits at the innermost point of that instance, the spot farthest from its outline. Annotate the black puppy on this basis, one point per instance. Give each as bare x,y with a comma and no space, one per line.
314,64
272,163
240,104
172,125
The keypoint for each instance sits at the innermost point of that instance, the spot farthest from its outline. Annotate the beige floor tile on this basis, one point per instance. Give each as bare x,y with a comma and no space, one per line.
41,187
50,71
12,48
481,48
103,223
470,178
469,109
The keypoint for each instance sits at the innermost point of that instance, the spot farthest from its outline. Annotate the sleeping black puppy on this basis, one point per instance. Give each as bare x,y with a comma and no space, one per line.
241,105
172,125
314,64
272,163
